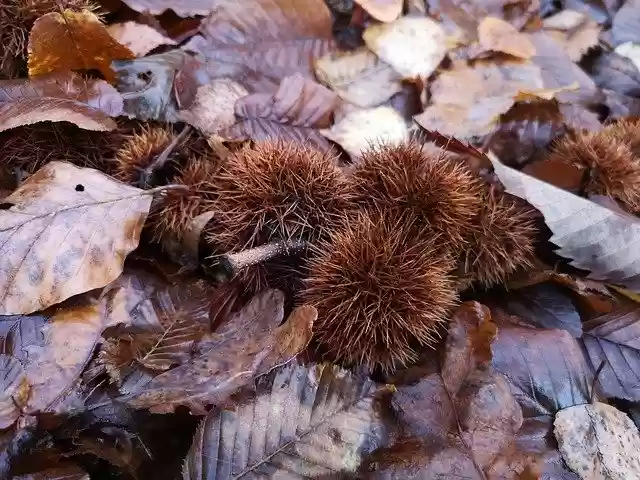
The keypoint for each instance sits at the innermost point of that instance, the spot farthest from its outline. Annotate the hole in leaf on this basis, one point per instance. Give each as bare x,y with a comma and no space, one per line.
5,205
145,76
79,188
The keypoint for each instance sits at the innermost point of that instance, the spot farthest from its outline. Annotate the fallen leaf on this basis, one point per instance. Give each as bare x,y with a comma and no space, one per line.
296,112
59,97
61,473
73,41
139,38
304,422
359,129
468,101
614,339
630,51
158,86
598,441
67,344
271,38
213,107
183,8
615,72
413,46
359,77
594,237
251,346
624,27
496,35
575,31
64,231
383,10
14,390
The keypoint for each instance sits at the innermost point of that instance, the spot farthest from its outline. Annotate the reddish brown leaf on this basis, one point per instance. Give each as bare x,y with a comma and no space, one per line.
59,97
496,35
383,10
73,41
251,346
298,109
273,38
61,473
615,340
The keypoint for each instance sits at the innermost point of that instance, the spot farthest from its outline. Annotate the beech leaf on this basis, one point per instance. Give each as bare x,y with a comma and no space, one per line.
615,340
304,422
592,236
496,35
251,346
183,8
73,41
14,390
138,37
298,109
383,10
67,231
59,97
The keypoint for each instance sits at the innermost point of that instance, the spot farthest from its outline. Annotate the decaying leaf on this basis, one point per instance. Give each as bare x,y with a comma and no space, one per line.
598,441
359,77
496,35
594,237
14,390
64,231
615,340
213,107
383,10
59,97
73,41
574,30
68,341
296,112
59,473
268,39
184,8
251,345
304,422
413,46
360,129
139,38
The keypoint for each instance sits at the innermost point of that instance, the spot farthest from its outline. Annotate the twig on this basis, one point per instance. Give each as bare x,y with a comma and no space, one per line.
230,264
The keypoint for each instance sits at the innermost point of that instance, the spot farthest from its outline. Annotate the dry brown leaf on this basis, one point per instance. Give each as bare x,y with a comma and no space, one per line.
250,346
298,109
413,46
73,41
14,390
383,10
360,129
594,237
138,37
306,421
66,230
59,97
359,77
574,30
213,107
68,341
496,35
183,8
630,51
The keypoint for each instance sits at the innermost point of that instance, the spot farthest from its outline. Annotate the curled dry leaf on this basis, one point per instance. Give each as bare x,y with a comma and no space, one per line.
251,345
359,77
613,339
213,107
598,441
413,46
273,39
14,390
359,129
594,237
139,38
59,97
496,35
67,344
67,231
383,10
298,109
58,473
304,422
73,41
158,86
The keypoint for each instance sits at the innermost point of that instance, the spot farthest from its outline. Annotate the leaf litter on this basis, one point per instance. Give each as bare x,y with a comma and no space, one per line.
513,110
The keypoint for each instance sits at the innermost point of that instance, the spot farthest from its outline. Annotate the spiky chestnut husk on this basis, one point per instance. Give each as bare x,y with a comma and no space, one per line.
502,240
16,20
30,147
380,290
139,151
610,166
277,190
436,189
628,131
